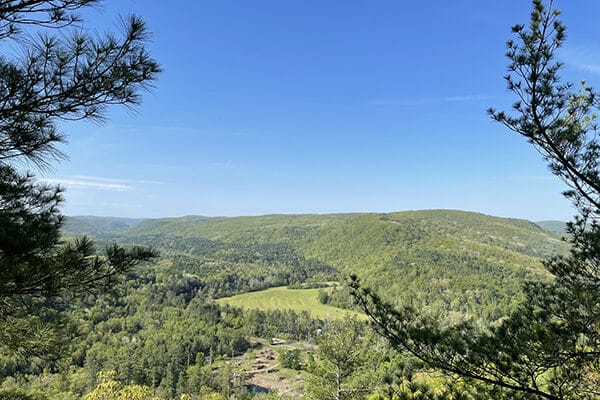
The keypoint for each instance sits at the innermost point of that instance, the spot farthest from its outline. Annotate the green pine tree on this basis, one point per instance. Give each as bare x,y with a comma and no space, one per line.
52,78
341,370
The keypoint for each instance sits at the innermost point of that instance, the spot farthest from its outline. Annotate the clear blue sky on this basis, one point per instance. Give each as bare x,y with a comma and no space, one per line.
321,106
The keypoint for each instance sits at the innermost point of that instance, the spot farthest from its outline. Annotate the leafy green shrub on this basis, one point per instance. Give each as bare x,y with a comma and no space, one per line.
17,394
291,359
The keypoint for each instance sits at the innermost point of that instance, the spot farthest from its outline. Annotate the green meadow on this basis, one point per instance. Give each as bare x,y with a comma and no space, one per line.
282,298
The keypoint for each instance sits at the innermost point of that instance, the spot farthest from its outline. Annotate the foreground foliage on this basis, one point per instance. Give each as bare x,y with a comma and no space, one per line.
54,77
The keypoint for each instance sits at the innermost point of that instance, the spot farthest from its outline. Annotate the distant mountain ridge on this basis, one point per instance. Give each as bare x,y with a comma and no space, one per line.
90,224
94,224
307,230
558,227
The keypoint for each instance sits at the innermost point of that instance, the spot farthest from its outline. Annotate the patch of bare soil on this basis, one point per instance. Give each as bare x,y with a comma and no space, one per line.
263,372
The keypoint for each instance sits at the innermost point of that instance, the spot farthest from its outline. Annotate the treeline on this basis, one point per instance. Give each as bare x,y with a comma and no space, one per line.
220,269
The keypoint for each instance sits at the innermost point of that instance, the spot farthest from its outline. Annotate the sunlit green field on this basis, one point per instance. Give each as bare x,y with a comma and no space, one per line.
282,298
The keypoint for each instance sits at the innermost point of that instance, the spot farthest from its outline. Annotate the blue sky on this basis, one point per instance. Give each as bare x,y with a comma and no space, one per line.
317,107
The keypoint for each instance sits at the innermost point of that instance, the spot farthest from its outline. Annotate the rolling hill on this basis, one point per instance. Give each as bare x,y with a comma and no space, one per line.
89,224
558,227
452,261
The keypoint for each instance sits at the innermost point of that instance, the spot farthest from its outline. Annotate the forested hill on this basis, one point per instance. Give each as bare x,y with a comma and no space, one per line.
161,327
558,227
90,224
453,260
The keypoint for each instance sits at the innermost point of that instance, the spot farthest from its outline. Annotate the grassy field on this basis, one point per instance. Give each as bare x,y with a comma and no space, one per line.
282,298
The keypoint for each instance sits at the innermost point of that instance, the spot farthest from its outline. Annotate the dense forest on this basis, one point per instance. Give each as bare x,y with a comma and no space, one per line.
475,260
164,331
436,304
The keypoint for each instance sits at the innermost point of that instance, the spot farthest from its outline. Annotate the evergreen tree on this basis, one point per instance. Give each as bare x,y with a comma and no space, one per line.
341,370
49,79
550,346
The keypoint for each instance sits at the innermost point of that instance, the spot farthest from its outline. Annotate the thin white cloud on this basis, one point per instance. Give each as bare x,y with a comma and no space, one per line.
100,183
143,181
185,131
89,184
586,58
224,165
115,180
430,100
104,204
472,97
593,68
523,178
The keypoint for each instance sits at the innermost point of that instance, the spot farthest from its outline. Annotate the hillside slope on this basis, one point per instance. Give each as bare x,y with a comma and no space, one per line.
450,260
558,227
89,224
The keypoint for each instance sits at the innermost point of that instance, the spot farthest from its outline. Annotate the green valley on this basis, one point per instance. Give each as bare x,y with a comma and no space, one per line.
316,110
222,286
452,260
